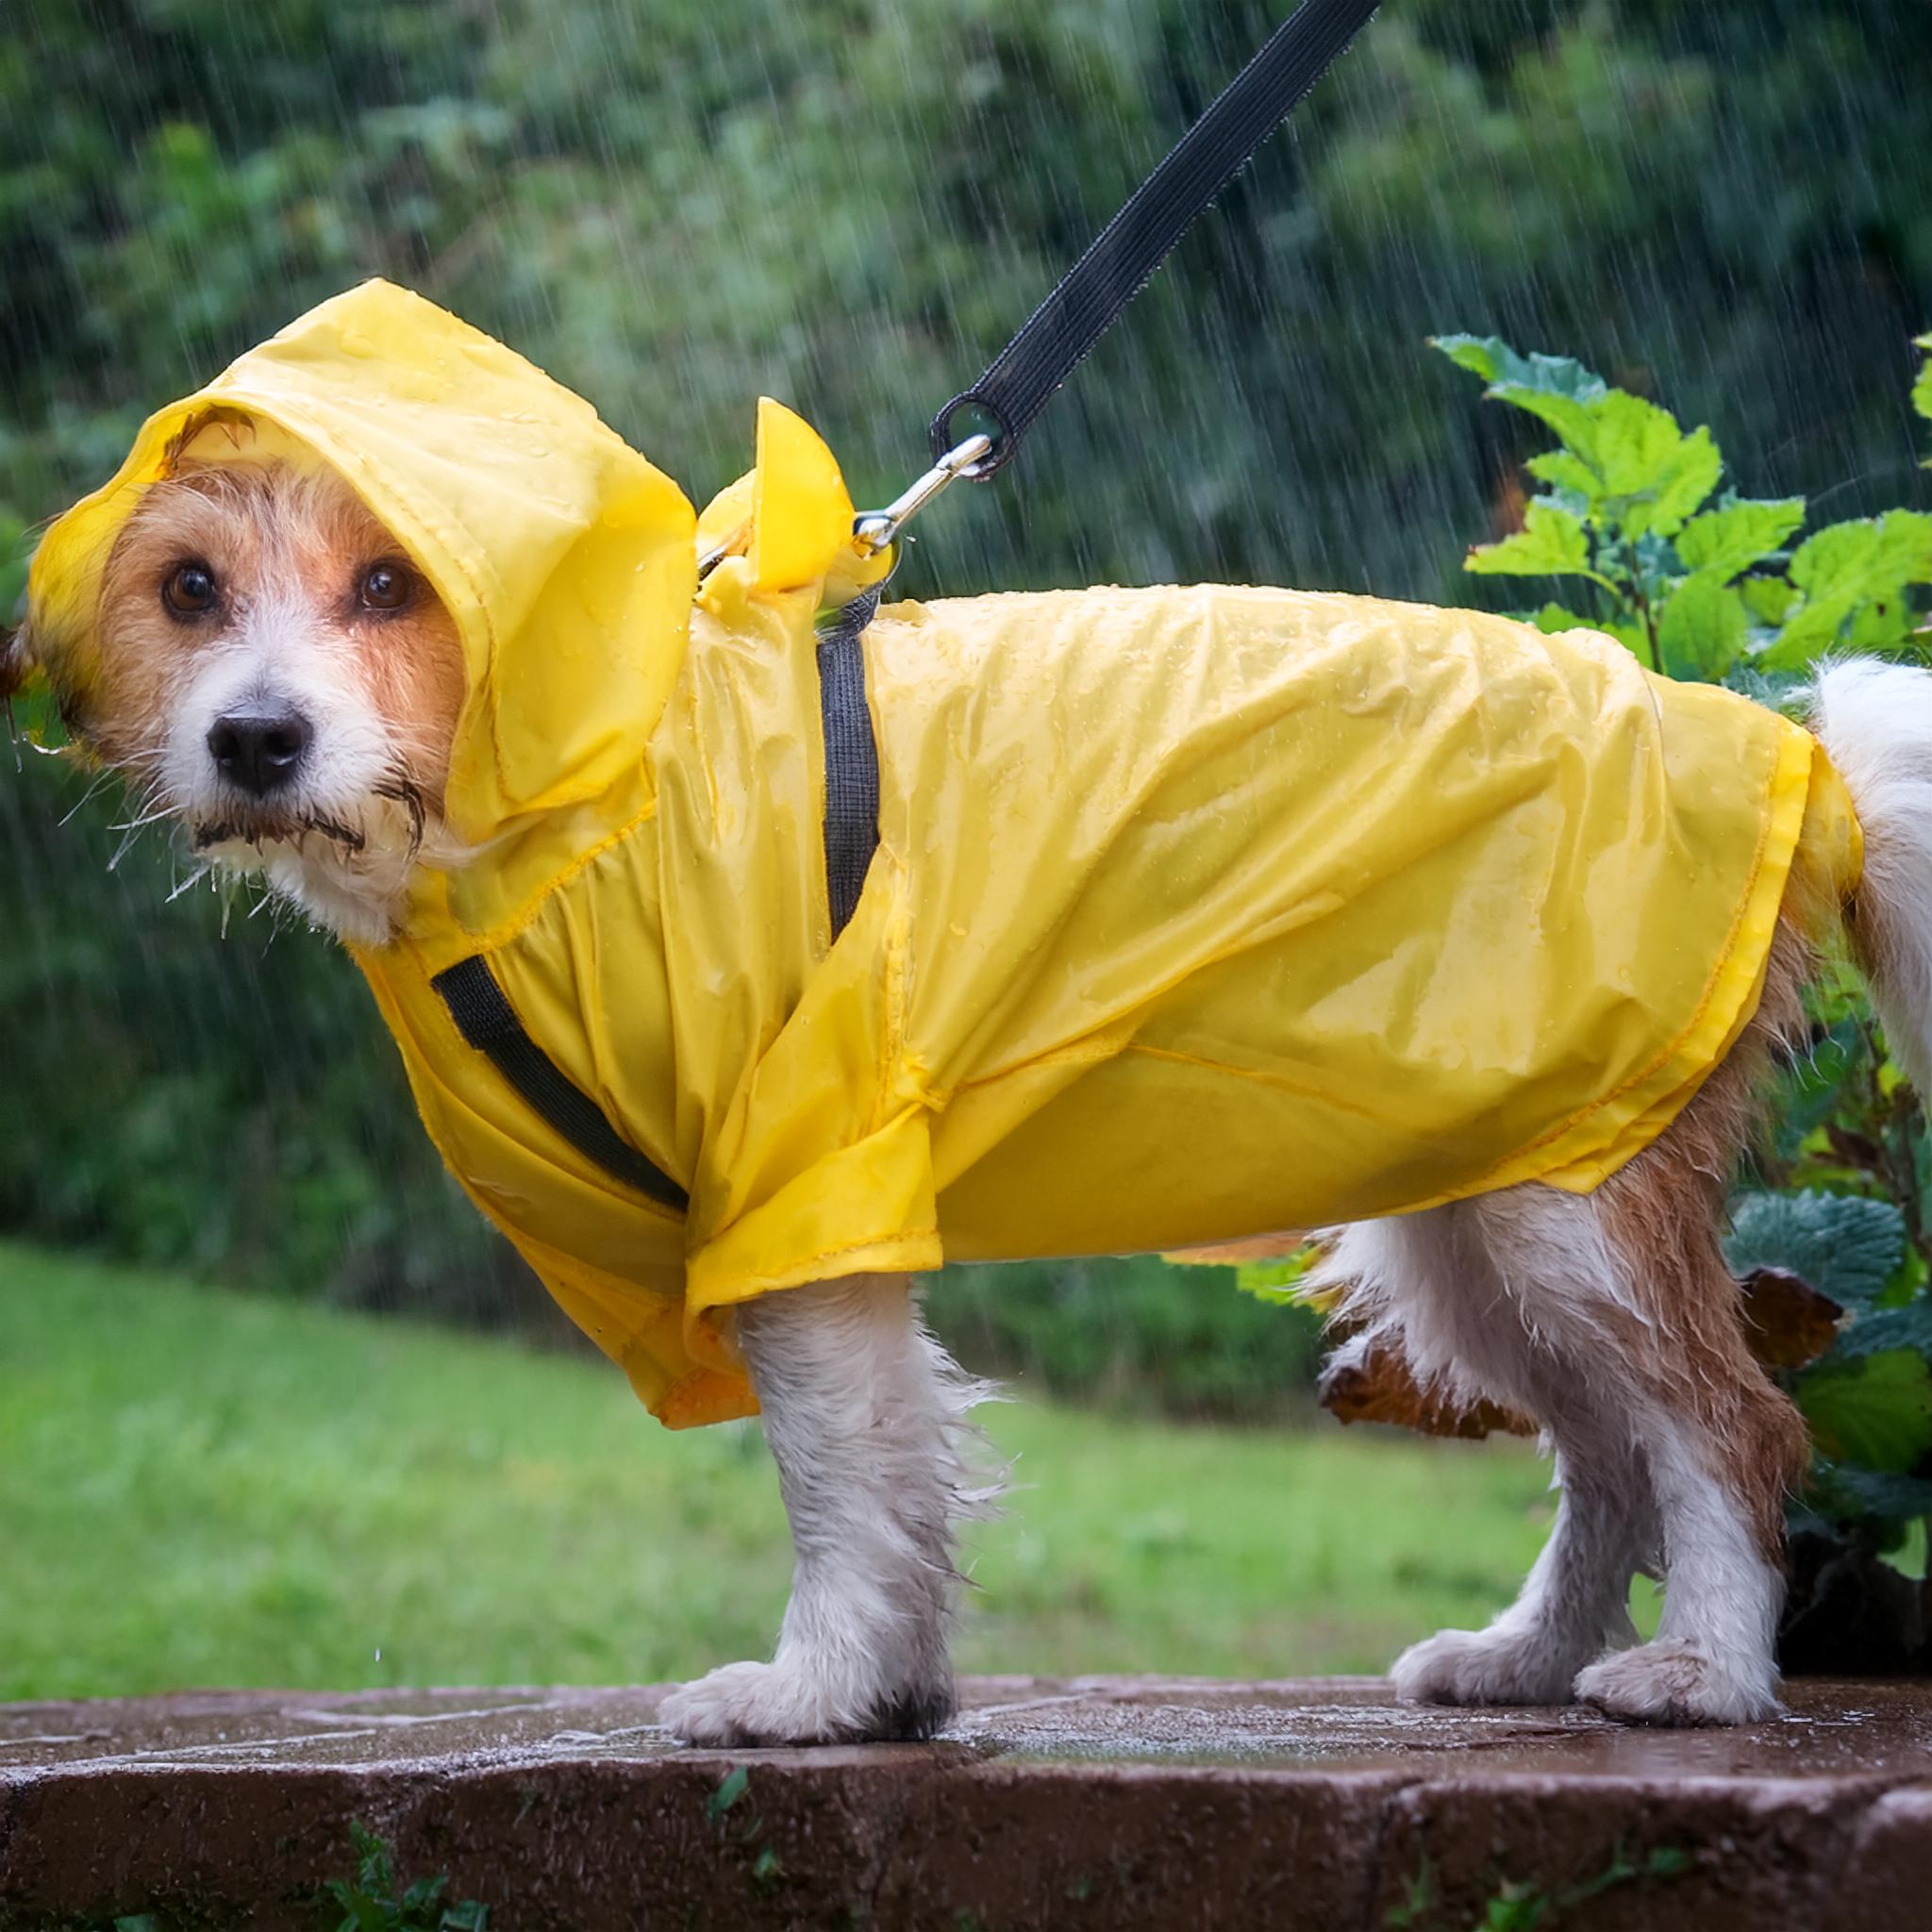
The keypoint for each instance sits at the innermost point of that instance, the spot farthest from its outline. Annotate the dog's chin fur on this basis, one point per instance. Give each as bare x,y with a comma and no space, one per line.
378,690
348,876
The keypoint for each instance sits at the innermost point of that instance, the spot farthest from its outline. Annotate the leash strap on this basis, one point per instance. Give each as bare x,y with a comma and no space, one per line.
1122,257
852,760
489,1023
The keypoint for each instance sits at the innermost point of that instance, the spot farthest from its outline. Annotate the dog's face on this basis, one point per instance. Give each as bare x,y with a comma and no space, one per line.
276,676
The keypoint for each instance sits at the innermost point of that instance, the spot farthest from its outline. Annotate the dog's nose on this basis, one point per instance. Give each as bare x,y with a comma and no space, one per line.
258,751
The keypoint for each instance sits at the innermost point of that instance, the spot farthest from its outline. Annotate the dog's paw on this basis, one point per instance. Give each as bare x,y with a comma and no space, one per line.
1483,1667
748,1706
1671,1683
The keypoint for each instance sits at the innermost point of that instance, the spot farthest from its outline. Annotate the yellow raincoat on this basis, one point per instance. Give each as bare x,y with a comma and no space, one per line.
1194,913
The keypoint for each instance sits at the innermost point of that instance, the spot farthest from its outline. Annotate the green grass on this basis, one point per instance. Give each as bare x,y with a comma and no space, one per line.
198,1488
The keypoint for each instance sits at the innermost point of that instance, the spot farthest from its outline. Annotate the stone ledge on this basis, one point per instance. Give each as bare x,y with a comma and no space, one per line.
1106,1803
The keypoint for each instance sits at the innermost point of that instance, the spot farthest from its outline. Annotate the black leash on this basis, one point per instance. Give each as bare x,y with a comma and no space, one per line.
1122,256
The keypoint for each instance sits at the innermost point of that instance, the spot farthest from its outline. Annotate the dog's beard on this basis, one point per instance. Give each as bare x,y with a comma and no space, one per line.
274,829
348,829
343,867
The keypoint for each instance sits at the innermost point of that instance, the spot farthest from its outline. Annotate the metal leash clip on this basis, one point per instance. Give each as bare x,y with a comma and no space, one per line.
874,530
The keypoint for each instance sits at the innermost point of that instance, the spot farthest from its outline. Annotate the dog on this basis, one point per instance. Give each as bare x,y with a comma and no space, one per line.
273,666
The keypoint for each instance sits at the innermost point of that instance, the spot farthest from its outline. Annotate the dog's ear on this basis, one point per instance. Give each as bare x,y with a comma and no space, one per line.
14,663
20,677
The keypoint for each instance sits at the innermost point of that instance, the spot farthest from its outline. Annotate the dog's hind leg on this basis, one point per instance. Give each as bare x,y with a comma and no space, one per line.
1724,1445
1612,1320
1471,1322
866,1418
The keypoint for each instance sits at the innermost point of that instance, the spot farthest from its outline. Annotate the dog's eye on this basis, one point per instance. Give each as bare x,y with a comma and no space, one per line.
189,590
387,586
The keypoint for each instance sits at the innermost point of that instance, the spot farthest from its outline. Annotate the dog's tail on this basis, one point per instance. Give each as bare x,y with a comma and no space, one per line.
1876,719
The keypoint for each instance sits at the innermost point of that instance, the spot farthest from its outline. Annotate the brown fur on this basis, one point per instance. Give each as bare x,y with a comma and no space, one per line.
261,527
1663,1212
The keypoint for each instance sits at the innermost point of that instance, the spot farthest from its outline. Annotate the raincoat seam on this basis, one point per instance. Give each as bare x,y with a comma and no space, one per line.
892,1057
1258,1074
768,1283
494,939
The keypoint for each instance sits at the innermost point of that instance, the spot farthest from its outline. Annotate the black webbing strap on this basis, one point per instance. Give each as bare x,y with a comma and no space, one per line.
1125,253
489,1023
852,760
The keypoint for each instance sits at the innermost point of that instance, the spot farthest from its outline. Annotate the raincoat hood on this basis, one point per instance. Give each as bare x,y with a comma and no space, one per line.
565,557
1187,914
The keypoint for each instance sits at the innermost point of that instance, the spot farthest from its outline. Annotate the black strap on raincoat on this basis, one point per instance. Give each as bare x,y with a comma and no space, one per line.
1122,257
489,1023
852,760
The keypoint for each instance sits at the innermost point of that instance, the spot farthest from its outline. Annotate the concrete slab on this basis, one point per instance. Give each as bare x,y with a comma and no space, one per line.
1098,1803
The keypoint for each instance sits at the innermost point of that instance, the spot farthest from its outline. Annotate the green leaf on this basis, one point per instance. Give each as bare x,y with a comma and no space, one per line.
1904,545
1865,557
1702,628
1735,535
1862,1494
1646,461
727,1793
1922,389
1573,418
1844,1245
1564,470
1691,477
1842,567
1882,624
1769,600
1875,1412
1551,543
1553,620
1496,362
1888,1328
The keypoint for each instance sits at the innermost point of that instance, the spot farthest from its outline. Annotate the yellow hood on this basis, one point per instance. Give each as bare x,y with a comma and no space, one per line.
566,557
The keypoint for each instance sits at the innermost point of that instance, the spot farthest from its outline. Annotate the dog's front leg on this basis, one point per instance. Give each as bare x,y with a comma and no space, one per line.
866,1417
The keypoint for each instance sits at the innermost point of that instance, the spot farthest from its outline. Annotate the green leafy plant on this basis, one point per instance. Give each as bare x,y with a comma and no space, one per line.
1711,586
746,1831
372,1902
1527,1906
1699,584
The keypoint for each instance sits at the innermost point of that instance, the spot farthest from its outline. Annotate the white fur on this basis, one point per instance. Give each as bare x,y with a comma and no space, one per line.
1505,1296
282,651
1712,1661
866,1416
1875,721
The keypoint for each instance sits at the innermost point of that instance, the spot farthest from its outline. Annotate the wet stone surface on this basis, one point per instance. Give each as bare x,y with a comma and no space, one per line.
1105,1802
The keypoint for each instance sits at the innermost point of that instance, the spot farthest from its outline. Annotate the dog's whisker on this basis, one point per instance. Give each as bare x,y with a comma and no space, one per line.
126,846
80,803
150,817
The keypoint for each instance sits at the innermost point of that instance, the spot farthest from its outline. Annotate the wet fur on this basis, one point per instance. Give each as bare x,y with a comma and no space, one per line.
382,690
1611,1319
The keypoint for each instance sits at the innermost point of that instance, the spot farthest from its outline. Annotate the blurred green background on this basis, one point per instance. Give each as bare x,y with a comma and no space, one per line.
676,207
